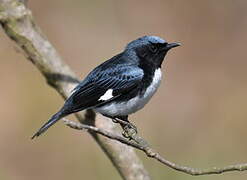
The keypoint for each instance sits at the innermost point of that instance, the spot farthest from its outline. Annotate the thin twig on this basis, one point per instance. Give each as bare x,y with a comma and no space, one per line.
153,154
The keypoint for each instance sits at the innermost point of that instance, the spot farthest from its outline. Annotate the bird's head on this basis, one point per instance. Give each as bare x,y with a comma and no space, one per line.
151,49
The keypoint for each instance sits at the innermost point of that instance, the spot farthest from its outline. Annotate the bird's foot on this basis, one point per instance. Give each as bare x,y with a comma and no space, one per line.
130,131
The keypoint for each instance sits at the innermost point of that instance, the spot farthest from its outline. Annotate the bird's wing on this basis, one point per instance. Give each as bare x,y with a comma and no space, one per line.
104,85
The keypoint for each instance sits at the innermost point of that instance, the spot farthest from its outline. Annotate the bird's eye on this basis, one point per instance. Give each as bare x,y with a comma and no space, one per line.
153,48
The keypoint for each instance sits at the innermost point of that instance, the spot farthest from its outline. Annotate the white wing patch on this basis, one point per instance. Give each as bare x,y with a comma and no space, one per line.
107,95
134,104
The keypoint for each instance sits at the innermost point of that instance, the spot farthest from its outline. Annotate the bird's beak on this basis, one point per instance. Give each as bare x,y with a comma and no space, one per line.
172,45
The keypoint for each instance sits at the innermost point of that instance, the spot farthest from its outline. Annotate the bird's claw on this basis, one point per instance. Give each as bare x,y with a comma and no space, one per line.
130,131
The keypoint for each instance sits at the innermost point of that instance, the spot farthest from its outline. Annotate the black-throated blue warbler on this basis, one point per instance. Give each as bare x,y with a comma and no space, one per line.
121,85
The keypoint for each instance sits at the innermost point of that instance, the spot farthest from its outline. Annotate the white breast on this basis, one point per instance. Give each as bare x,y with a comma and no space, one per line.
134,104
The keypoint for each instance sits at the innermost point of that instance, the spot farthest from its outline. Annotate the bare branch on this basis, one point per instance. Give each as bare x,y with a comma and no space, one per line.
18,23
138,144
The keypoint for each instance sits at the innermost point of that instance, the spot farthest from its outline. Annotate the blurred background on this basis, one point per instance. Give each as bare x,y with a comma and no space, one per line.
197,118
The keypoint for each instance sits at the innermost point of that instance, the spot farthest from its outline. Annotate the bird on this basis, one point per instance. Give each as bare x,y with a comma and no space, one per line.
121,85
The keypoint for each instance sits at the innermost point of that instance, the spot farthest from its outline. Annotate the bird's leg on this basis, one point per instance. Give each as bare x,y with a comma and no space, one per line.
130,129
120,121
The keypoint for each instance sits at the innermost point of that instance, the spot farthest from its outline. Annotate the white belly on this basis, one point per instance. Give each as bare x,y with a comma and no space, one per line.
134,104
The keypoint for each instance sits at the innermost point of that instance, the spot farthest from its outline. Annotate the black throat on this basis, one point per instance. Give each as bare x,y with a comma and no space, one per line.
148,68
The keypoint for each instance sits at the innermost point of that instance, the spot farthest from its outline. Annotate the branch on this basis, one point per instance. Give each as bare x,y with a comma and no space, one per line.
138,144
18,23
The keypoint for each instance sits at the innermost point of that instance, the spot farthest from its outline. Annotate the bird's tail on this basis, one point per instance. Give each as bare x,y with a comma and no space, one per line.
49,123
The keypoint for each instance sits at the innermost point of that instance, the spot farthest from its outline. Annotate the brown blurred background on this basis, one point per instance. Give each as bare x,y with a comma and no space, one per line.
197,118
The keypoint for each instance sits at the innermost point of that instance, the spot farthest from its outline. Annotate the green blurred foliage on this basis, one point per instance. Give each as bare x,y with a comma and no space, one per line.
197,118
